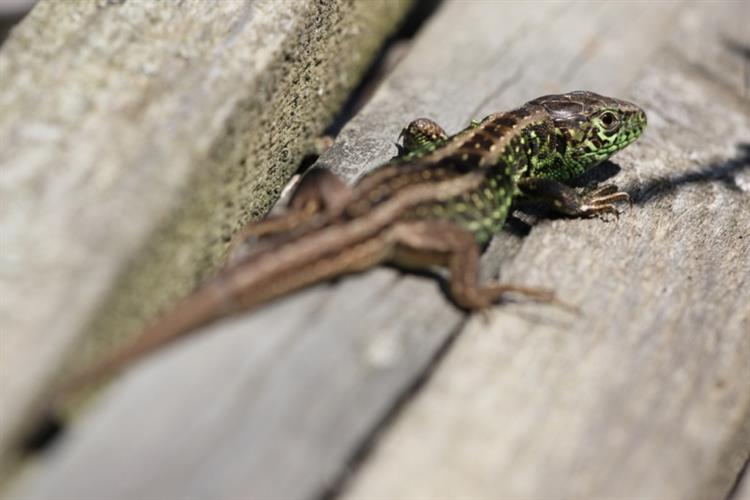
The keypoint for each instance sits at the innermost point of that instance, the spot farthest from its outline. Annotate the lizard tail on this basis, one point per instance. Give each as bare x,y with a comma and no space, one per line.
205,305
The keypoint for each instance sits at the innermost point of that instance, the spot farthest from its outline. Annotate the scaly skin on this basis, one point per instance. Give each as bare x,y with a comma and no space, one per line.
549,140
433,205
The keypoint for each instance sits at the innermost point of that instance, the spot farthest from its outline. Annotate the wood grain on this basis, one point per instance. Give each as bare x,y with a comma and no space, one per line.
645,394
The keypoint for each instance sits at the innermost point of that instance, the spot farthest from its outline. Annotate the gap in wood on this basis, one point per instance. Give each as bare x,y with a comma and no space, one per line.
393,50
361,452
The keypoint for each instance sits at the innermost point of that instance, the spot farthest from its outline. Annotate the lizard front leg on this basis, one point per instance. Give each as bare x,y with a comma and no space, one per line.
566,200
422,135
319,191
421,244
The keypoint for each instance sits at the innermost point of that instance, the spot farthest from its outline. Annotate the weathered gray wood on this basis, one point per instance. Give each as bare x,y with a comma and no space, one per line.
643,394
647,393
135,137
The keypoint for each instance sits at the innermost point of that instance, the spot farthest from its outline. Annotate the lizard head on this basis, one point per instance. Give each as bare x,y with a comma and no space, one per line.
589,128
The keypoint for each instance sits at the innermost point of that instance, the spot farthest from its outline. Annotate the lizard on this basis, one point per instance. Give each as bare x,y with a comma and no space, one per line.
436,203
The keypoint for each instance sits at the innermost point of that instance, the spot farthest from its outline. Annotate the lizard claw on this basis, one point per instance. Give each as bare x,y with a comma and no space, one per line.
600,202
602,211
597,192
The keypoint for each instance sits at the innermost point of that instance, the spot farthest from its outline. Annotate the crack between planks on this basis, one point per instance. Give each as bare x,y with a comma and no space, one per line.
401,402
390,54
741,481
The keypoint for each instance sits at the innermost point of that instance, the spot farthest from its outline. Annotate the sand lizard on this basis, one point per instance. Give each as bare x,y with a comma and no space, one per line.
435,204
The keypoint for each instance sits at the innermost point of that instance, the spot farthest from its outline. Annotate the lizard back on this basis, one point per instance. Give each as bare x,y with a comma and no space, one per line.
499,147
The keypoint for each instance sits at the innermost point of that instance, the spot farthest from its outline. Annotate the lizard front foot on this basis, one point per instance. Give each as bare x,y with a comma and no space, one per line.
567,200
600,201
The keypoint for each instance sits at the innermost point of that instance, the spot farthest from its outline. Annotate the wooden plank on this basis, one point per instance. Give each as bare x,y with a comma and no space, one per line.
276,403
647,393
136,136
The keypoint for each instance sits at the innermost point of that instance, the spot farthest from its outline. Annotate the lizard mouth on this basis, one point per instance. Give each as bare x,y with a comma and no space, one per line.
633,131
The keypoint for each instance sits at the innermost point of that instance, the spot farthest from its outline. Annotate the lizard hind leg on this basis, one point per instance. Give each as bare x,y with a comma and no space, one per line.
425,243
421,136
319,191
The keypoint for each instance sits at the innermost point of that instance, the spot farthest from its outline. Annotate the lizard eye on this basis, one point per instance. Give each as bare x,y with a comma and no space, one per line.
609,120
